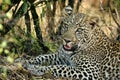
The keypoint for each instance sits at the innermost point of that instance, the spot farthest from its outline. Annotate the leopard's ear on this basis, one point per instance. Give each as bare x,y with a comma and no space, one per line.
67,10
93,21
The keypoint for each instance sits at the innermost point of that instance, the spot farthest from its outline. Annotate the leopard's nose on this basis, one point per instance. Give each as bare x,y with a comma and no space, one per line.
67,40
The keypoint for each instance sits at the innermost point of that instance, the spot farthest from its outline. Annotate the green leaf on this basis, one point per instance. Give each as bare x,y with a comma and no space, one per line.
10,59
7,1
1,50
1,26
6,51
22,10
3,44
9,15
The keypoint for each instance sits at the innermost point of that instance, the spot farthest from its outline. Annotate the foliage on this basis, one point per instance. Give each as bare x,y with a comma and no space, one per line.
9,56
5,4
28,40
16,40
117,3
4,42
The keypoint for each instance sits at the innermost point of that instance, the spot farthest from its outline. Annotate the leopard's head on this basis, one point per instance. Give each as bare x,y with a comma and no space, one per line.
76,36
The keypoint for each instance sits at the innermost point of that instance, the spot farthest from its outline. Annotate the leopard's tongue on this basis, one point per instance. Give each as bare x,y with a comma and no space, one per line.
67,47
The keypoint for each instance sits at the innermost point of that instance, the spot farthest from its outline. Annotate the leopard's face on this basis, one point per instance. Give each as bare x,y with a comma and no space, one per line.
77,35
76,31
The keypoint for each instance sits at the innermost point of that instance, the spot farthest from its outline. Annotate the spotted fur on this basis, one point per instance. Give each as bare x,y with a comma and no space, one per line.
93,56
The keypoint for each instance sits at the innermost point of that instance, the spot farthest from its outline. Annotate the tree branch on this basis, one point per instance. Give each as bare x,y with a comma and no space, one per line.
37,29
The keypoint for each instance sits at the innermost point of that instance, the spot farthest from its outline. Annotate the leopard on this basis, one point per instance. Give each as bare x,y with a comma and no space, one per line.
86,53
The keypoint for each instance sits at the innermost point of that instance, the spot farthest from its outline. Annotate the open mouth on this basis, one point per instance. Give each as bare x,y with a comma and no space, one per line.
69,47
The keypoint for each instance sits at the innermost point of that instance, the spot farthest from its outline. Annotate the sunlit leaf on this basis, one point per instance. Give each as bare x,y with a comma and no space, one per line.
10,59
1,26
1,50
9,15
7,1
3,44
6,51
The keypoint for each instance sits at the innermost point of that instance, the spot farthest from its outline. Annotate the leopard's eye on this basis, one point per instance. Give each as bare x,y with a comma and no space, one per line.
80,33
